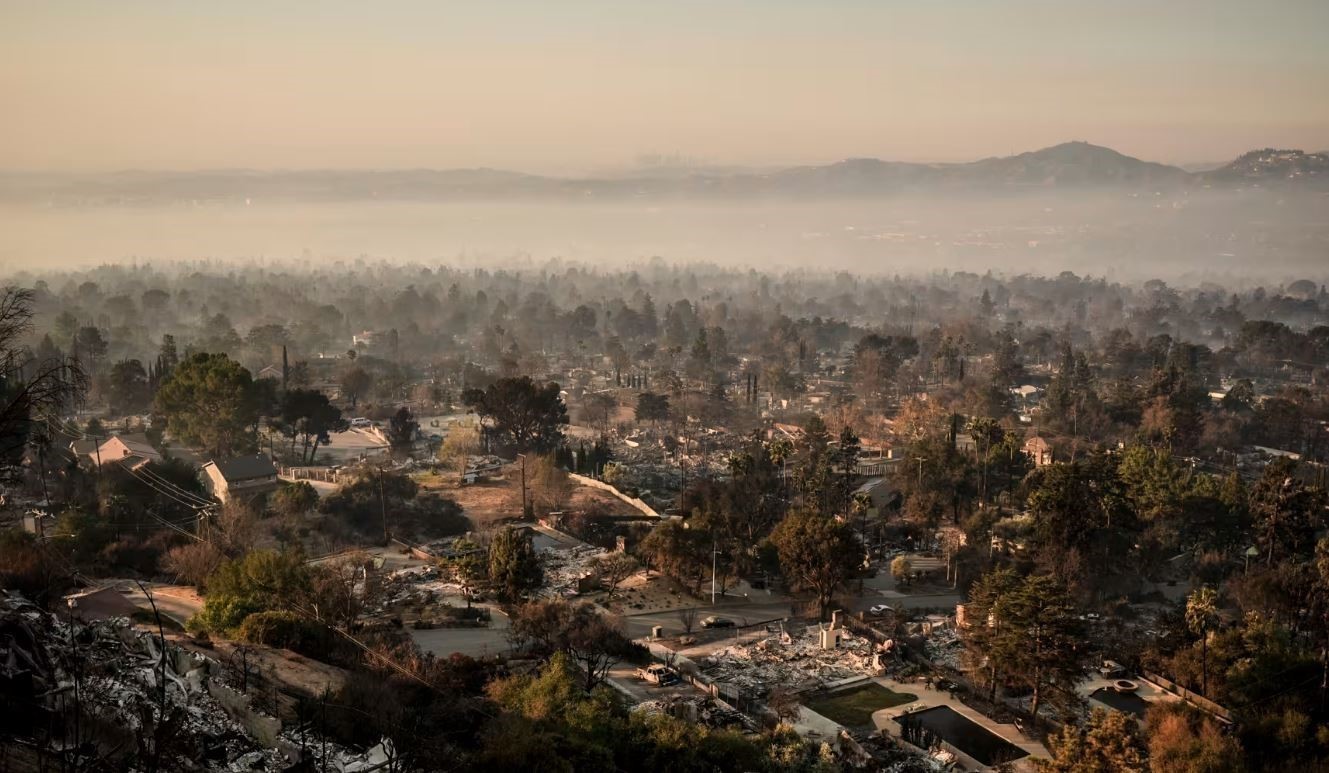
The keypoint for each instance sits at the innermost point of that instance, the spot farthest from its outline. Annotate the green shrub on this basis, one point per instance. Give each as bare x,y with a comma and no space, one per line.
222,612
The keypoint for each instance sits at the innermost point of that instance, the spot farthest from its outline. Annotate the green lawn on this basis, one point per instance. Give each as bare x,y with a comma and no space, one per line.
854,707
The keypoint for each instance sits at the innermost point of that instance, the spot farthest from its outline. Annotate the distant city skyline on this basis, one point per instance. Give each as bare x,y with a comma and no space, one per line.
590,86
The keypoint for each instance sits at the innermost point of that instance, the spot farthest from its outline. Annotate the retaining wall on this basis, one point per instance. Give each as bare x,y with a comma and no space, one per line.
1201,702
601,485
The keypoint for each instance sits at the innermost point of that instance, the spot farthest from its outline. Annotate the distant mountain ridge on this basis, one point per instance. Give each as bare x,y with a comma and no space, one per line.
1068,165
1271,164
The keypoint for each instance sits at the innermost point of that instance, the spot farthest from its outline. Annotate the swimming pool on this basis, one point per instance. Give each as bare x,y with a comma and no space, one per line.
923,728
1125,702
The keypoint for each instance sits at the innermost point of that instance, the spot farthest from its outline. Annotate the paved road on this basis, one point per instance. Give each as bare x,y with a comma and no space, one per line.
350,444
173,601
475,642
944,600
624,677
742,613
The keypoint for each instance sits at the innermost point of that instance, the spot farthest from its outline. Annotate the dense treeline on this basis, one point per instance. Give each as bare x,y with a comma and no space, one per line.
425,314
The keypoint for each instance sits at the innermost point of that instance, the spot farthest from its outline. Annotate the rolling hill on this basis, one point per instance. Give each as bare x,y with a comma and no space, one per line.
1077,165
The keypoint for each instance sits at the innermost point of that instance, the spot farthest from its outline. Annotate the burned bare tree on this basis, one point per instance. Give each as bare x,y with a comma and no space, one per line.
687,616
594,641
31,388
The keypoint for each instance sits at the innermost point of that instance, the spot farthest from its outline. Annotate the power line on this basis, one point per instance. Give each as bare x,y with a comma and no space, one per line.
67,428
173,527
146,470
179,493
164,492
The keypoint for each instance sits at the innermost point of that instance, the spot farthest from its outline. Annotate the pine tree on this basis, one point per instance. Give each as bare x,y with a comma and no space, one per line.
514,567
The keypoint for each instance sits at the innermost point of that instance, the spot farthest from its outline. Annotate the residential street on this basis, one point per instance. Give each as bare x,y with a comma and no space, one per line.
475,642
177,602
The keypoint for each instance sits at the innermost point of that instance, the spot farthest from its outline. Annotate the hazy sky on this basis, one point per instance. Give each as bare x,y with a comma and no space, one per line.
576,85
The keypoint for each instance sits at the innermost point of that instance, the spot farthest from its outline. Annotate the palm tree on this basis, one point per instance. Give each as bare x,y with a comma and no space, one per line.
861,504
1201,612
983,430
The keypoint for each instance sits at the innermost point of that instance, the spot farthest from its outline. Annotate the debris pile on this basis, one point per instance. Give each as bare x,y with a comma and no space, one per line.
568,571
107,694
944,648
652,462
417,585
452,547
797,662
481,467
701,709
889,756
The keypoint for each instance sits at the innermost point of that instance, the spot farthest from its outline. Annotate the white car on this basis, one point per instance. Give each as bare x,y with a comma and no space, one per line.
879,609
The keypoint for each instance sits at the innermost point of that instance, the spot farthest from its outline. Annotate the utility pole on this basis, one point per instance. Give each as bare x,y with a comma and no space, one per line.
97,440
715,551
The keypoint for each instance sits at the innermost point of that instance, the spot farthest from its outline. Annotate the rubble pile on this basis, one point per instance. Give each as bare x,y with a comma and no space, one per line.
109,694
701,709
889,757
797,662
451,547
649,461
944,648
417,585
567,569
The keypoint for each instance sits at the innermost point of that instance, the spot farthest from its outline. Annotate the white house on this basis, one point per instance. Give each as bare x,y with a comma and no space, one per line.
244,476
132,451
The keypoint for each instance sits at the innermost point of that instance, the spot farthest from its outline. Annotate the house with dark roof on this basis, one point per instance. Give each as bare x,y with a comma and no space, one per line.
84,450
244,477
879,494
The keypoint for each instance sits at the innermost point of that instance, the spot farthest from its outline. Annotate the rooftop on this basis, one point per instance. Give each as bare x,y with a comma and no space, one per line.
244,467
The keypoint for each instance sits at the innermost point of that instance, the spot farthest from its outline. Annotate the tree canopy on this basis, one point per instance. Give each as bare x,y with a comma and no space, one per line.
209,401
520,414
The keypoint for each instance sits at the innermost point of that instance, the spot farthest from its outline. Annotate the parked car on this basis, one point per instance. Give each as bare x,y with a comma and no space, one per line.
717,622
361,423
658,674
879,609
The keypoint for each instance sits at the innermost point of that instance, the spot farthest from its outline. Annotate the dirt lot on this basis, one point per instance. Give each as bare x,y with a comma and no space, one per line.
637,594
487,504
496,501
585,496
